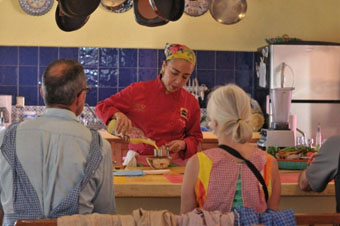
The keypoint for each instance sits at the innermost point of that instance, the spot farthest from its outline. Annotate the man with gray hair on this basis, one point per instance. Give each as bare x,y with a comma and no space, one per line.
52,165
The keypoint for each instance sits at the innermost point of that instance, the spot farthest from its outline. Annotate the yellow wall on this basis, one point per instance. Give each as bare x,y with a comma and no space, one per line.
317,20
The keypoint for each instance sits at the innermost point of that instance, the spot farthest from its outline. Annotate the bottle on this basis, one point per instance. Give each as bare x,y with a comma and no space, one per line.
318,137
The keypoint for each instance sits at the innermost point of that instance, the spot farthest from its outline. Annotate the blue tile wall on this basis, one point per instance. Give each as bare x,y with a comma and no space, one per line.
109,70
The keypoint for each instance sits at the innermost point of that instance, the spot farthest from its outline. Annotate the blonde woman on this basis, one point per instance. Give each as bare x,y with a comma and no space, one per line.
217,180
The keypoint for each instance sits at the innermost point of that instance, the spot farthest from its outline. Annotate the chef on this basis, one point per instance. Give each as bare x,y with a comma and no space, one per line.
161,109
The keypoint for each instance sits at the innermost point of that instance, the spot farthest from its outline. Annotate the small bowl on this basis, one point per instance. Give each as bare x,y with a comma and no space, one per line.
159,162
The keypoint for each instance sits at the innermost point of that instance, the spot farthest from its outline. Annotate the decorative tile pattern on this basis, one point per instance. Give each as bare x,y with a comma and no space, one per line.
127,57
108,77
89,56
108,57
87,117
110,70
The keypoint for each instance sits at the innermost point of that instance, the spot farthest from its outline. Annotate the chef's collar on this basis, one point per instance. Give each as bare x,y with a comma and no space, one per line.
163,89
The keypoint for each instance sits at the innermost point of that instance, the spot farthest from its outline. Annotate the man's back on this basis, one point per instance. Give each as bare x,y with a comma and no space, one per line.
53,151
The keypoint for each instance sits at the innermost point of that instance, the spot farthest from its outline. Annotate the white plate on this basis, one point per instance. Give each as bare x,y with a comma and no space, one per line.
36,7
122,8
196,7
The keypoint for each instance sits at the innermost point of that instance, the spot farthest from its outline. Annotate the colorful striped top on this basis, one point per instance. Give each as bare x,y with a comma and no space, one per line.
217,180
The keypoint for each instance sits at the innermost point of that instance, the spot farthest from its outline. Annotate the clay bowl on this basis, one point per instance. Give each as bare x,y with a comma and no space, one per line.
159,162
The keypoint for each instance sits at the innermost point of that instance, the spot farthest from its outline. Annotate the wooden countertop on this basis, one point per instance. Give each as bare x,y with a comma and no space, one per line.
170,185
207,136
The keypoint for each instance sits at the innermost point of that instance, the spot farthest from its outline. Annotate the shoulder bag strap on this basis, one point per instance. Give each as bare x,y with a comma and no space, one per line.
249,164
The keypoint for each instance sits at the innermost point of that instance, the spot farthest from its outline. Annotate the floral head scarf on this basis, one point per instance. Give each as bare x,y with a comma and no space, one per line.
178,51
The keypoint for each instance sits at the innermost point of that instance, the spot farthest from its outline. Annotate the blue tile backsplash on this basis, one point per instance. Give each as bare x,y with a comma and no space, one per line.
109,70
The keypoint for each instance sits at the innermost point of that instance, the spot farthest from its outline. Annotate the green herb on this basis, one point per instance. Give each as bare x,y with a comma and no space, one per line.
272,150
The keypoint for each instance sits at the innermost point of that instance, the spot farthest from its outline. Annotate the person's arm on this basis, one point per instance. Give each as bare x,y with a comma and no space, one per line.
188,198
104,201
274,200
303,182
324,167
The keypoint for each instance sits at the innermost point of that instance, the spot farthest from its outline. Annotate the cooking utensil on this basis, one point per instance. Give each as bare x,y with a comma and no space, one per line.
168,9
228,11
156,172
162,151
196,7
144,14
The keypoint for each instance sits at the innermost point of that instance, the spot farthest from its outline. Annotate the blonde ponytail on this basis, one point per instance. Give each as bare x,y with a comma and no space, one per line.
229,105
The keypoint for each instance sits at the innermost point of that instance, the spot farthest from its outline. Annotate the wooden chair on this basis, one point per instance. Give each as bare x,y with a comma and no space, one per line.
314,219
36,222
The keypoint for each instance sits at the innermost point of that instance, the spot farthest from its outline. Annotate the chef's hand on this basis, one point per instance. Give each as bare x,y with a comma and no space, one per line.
176,145
124,124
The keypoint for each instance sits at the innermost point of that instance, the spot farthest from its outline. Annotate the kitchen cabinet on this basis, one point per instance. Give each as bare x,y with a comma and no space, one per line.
119,148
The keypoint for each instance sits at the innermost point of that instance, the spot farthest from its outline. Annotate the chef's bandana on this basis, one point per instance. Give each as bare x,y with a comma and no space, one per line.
178,51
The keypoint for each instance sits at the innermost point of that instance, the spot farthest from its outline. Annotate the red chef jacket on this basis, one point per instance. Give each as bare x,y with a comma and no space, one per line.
162,116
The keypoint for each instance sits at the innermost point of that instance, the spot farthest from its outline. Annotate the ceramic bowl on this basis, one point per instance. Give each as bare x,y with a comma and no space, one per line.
159,162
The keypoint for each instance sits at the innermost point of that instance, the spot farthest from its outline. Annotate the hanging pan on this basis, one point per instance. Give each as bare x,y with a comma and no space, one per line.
145,15
168,9
78,8
67,23
228,11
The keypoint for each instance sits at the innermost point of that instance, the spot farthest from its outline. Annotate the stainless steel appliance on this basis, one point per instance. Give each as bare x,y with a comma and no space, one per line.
279,134
313,69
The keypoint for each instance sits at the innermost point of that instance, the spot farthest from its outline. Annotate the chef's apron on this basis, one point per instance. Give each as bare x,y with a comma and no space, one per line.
26,203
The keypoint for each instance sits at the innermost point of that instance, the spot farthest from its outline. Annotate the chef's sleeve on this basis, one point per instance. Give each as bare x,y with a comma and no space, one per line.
119,102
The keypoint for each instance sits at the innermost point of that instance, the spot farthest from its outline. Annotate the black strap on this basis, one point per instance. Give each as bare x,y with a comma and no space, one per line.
249,164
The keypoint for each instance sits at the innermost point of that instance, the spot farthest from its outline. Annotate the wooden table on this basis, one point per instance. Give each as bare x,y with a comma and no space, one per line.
163,192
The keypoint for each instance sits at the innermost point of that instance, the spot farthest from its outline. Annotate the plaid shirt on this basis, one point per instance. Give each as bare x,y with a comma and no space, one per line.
246,216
